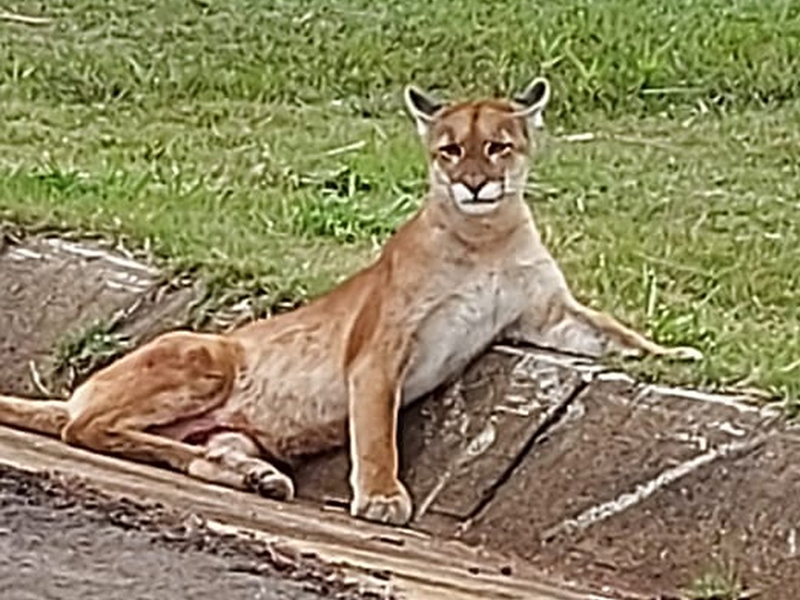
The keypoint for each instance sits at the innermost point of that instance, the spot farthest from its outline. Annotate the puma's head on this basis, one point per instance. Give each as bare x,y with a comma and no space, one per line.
478,150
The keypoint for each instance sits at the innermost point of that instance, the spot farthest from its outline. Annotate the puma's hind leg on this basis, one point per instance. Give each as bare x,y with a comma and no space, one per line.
133,407
233,459
175,378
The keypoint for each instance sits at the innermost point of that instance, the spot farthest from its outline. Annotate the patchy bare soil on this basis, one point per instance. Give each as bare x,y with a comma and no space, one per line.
59,539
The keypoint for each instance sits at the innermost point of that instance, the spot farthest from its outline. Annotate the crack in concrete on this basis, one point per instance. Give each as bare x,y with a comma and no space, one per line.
550,420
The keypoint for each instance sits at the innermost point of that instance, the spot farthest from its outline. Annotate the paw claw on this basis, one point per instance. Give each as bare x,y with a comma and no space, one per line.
270,483
391,509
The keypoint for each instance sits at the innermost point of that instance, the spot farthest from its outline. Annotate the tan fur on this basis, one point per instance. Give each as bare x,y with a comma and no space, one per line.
467,270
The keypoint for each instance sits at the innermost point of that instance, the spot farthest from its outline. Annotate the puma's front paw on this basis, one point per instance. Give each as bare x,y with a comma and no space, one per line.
686,353
394,508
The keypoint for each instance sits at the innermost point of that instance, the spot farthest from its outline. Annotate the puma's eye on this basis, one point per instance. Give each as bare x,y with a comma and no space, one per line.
450,150
493,148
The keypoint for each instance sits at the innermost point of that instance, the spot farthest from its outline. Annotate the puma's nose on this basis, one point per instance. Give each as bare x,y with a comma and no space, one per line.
474,189
474,186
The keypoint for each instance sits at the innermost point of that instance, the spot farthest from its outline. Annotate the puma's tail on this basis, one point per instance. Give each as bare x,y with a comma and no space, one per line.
42,416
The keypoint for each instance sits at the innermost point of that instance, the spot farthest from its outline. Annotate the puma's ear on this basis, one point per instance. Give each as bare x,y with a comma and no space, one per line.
422,107
533,101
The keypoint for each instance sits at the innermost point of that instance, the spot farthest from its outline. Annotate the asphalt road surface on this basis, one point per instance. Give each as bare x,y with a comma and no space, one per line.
56,546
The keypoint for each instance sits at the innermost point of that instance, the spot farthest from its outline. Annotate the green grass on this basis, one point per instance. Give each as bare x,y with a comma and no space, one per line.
720,582
266,149
617,55
86,350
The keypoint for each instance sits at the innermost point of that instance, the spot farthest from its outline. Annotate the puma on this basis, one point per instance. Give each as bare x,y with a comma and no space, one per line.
469,269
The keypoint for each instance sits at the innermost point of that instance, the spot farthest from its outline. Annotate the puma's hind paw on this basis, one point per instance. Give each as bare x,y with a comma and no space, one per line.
270,483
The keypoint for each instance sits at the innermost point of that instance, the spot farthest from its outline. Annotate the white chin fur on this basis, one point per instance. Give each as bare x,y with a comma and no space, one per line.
477,208
490,193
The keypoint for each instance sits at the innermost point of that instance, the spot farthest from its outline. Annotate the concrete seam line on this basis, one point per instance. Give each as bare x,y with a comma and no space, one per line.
642,491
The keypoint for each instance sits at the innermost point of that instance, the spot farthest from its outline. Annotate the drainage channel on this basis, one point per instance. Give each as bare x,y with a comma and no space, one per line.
550,420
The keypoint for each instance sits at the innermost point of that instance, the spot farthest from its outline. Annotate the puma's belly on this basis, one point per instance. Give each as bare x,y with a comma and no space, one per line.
293,395
456,330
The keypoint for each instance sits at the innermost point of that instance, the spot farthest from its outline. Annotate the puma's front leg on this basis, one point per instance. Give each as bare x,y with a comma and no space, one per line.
565,324
378,494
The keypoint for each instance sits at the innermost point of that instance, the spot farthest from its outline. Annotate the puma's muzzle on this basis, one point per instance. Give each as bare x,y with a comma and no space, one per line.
477,200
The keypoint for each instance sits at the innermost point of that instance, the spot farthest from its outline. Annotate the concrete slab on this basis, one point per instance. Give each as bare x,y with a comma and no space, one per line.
610,440
472,436
617,492
51,288
739,513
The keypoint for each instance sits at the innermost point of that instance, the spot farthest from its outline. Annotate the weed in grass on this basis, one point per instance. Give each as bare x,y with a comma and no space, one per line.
84,351
718,583
338,206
